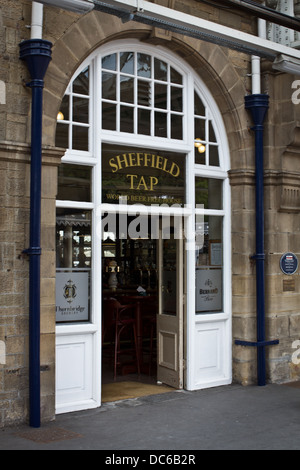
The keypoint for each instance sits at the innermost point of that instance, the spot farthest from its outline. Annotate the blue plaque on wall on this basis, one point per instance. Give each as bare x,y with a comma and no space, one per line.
289,263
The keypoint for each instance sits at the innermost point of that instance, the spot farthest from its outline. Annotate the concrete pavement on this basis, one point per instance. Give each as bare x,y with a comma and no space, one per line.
229,417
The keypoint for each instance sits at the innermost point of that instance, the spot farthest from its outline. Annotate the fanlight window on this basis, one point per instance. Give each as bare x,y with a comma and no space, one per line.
135,93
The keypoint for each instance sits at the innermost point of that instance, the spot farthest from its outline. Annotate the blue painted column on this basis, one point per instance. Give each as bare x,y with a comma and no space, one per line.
37,55
258,105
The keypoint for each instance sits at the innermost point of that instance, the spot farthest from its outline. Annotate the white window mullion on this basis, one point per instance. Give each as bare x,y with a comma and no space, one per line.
206,141
168,103
135,109
118,95
152,115
71,120
135,96
75,205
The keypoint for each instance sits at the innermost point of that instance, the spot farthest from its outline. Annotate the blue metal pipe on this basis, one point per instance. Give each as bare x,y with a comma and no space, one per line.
258,105
37,55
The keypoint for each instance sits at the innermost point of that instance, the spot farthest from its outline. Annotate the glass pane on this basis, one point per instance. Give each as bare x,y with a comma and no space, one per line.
144,65
199,106
109,62
109,115
209,265
161,96
160,70
214,155
127,62
127,89
161,124
126,119
80,139
176,77
176,99
209,193
200,153
176,127
108,86
144,122
80,109
212,135
144,93
73,258
74,183
62,135
64,114
200,129
81,84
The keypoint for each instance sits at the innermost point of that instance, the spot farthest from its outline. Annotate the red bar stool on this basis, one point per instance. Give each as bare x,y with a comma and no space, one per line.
120,319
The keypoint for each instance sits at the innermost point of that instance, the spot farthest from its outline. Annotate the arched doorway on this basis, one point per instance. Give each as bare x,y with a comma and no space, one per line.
142,128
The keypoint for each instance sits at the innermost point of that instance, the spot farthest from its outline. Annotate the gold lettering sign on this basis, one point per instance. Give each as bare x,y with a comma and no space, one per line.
146,160
140,173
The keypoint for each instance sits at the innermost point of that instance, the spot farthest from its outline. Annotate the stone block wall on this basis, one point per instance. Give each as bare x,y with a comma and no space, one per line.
14,287
15,126
14,282
282,226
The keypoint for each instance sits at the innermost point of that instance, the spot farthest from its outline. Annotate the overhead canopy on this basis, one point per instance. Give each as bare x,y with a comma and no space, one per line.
153,14
173,20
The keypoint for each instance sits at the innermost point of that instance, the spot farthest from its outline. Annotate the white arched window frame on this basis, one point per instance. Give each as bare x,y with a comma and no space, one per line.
92,157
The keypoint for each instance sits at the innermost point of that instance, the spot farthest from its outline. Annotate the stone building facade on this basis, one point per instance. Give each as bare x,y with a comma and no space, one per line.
227,75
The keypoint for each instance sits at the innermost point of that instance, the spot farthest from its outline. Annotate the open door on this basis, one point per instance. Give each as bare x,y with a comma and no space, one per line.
170,314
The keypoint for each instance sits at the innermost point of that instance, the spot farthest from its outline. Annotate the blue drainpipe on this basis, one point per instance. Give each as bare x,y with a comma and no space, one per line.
37,55
258,105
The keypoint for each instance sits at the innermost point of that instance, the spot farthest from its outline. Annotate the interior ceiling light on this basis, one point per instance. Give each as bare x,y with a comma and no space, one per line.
287,64
60,116
77,6
200,146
